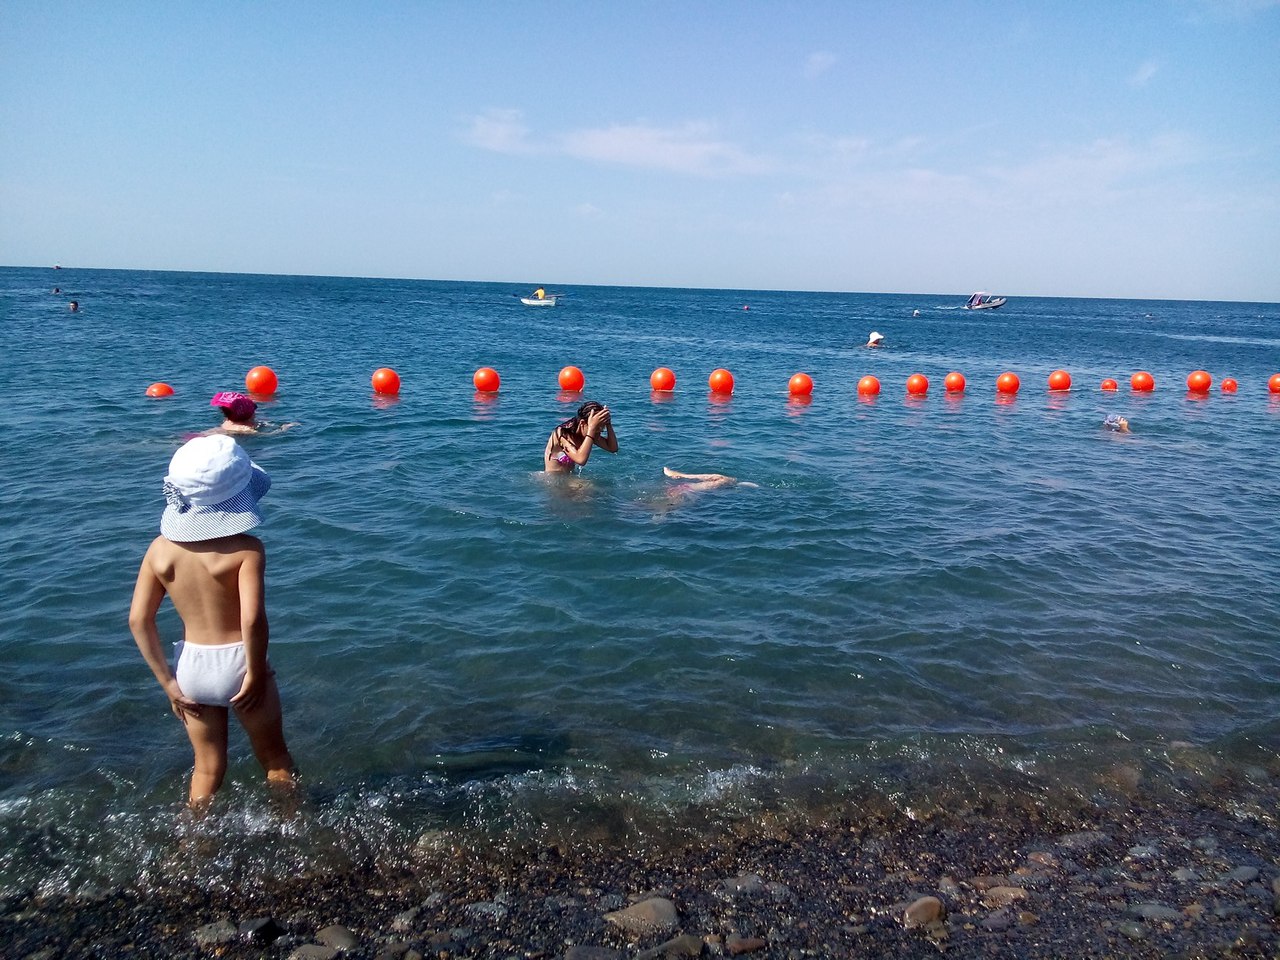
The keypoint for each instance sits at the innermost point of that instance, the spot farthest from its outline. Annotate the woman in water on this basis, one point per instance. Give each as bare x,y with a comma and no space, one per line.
240,415
570,444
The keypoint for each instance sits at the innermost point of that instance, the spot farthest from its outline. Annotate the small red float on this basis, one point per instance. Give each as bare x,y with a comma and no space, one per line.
801,385
1199,381
868,386
662,379
1143,382
954,382
486,380
385,381
1109,384
720,381
262,381
1229,385
571,378
917,385
1273,384
1059,380
159,390
1008,383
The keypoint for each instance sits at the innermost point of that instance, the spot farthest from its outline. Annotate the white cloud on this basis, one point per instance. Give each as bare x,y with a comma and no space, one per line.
502,131
1142,76
818,63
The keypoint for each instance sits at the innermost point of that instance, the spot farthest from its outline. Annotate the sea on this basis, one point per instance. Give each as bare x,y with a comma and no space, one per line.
926,598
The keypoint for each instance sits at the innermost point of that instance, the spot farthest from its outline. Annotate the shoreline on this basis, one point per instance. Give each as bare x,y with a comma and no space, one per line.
1192,871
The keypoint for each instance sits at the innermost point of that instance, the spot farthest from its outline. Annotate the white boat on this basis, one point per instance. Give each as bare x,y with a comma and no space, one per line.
984,301
538,301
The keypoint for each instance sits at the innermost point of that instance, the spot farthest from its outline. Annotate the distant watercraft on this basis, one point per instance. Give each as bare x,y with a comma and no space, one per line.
540,298
984,301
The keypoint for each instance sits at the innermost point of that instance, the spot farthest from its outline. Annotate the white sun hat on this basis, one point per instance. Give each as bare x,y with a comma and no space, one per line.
212,490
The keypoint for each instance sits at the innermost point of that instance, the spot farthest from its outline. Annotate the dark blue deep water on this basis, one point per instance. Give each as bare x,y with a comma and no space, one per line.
1001,590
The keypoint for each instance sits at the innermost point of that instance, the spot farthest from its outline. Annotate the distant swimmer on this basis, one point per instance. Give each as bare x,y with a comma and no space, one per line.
1117,423
57,289
570,443
703,481
239,415
875,340
74,306
915,313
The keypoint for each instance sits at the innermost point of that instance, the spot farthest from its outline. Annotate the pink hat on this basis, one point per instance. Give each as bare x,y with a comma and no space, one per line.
239,407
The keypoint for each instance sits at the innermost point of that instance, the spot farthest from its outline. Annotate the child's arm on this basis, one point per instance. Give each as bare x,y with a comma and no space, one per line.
148,594
604,437
253,628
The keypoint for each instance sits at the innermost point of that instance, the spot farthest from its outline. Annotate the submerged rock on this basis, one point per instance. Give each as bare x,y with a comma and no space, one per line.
656,915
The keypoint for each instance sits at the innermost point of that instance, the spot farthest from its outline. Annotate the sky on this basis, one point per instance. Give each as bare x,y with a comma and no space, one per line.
1128,148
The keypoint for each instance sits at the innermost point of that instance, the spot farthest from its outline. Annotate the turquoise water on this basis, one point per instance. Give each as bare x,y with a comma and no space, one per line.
916,585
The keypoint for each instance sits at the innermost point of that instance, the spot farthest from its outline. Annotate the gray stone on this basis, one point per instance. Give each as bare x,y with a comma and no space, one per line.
657,915
1241,875
779,891
487,910
592,953
216,933
1083,840
998,921
1142,852
1134,930
314,951
613,901
1185,875
337,936
746,883
923,912
1155,911
404,922
684,946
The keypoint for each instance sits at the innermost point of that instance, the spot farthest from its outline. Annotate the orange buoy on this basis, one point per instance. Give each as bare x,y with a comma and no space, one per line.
1229,385
1008,383
868,386
917,385
159,390
571,378
1273,384
261,380
720,381
1199,381
801,385
662,379
386,381
954,382
1109,384
487,380
1142,381
1059,380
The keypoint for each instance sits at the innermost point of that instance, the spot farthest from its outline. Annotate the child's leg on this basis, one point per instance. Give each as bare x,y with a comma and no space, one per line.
208,735
265,726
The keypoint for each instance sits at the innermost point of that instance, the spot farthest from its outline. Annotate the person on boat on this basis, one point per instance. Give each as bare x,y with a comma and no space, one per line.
571,443
239,415
540,294
1117,423
875,340
211,568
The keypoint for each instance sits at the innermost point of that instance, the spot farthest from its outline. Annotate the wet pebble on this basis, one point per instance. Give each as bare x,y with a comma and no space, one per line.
923,912
1134,930
735,945
215,934
261,931
1002,896
337,936
746,883
314,951
592,953
1155,911
1241,875
657,915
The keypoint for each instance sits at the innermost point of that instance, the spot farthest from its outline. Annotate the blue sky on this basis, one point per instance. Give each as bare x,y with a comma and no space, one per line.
1077,149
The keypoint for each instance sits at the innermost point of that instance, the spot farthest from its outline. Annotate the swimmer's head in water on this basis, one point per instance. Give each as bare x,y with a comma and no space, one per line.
1117,423
578,421
874,339
234,406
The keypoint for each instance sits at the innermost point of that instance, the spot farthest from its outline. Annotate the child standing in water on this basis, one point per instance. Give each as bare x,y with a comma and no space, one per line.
210,567
570,443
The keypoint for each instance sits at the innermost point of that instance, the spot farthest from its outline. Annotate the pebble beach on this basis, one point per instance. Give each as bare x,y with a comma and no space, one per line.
1188,869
